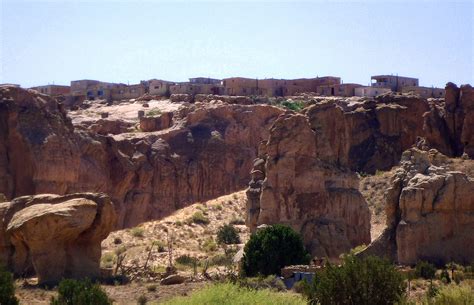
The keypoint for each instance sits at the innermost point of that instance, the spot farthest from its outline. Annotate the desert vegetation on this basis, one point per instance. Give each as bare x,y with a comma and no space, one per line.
272,248
7,288
234,294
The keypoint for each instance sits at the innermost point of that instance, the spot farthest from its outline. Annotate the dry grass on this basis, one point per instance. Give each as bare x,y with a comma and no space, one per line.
192,238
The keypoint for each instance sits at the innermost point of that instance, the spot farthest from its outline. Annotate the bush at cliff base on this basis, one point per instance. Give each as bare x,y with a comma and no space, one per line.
7,288
271,249
74,292
370,280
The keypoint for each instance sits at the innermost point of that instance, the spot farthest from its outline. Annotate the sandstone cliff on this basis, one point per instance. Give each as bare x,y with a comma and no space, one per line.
292,185
370,134
430,212
207,152
57,236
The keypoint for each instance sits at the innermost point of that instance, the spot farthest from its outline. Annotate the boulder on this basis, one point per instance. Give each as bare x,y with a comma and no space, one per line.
59,236
430,212
181,98
207,98
108,126
173,279
155,123
291,185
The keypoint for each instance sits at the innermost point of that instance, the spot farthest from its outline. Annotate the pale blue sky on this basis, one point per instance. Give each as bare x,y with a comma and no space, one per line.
59,41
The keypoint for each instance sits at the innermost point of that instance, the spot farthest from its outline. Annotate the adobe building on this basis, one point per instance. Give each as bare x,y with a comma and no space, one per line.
193,89
338,90
127,92
425,92
370,91
91,89
393,82
205,81
159,87
53,90
80,87
198,85
275,87
240,86
305,85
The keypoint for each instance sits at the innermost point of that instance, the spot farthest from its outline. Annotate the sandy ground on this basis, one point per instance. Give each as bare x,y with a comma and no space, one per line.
196,240
121,294
126,111
373,189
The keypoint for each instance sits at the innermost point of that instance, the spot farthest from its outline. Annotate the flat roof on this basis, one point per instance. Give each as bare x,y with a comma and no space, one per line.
399,76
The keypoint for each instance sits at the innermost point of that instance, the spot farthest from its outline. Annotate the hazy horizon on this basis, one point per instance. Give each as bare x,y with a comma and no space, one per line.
59,41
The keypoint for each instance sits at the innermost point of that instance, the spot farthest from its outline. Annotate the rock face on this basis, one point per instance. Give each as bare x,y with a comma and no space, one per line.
430,212
366,135
107,126
59,236
370,134
242,100
449,127
155,123
292,185
207,152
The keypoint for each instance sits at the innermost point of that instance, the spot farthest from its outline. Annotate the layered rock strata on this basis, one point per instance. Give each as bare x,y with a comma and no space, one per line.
206,152
292,185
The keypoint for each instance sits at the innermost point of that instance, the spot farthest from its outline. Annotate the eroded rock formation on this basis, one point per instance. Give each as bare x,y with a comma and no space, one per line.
58,236
207,152
449,126
430,212
292,185
370,134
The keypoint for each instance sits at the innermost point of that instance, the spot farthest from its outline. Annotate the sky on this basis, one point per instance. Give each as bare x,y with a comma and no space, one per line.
46,42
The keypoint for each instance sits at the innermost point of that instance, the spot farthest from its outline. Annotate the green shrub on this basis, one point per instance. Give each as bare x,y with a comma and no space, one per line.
199,218
295,106
444,277
425,270
7,288
159,245
209,245
369,280
233,294
458,277
237,221
153,112
107,260
142,300
272,248
220,260
453,295
299,287
137,232
228,235
270,282
74,292
186,260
